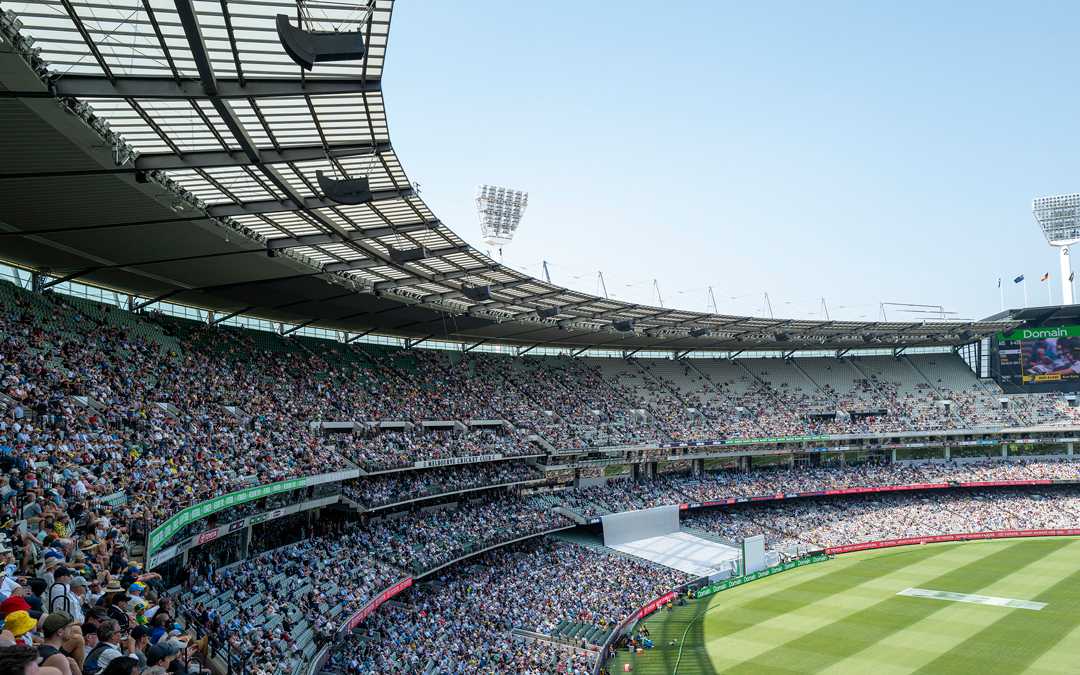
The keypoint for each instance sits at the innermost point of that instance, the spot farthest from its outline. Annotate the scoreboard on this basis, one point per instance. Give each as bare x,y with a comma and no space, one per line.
1038,356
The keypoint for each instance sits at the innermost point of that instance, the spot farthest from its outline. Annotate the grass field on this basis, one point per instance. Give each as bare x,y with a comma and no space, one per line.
844,616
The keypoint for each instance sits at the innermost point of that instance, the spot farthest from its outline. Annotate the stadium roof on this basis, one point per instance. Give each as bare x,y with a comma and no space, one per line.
1048,315
169,148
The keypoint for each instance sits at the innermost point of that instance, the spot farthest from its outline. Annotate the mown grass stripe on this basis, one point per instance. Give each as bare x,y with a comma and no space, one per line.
782,598
1028,571
926,640
1017,647
839,581
831,643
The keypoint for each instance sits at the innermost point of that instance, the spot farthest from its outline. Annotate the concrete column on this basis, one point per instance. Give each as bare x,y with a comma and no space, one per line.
1069,452
1004,450
893,455
577,477
635,472
698,467
948,453
651,470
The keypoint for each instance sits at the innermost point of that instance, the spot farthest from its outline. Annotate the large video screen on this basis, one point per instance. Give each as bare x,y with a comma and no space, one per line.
1039,355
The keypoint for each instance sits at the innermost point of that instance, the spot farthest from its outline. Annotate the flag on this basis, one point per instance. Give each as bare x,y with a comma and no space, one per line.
1044,277
1071,275
1018,279
999,282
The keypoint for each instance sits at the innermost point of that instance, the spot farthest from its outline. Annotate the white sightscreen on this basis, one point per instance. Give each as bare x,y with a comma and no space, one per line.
753,550
620,528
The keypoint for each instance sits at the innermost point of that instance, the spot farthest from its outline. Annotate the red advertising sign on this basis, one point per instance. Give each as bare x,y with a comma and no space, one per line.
887,488
209,535
965,536
373,604
656,604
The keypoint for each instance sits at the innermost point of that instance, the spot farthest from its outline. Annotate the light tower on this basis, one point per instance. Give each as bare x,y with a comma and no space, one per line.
500,210
1059,218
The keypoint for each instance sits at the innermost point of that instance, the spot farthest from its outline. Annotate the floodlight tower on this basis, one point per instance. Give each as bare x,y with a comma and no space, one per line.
1059,218
500,210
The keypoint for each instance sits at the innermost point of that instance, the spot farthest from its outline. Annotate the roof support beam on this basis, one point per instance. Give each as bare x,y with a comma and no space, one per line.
356,337
898,352
292,204
628,354
682,355
788,355
153,301
409,344
840,353
233,315
222,158
495,287
297,327
67,277
90,44
333,238
732,355
185,9
444,276
89,86
469,348
526,350
530,300
578,352
347,265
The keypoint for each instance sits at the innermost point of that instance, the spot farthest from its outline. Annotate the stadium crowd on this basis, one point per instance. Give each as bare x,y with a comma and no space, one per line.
111,421
717,485
821,523
463,622
385,489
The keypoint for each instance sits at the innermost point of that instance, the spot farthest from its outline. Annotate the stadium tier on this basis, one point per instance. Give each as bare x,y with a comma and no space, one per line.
256,419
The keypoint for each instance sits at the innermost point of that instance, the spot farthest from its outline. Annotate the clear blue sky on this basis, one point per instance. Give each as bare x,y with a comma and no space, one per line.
860,151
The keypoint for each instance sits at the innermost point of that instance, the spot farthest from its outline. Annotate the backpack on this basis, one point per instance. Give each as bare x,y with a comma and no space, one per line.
90,665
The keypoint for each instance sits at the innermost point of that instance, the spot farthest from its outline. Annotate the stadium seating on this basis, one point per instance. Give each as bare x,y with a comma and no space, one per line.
116,421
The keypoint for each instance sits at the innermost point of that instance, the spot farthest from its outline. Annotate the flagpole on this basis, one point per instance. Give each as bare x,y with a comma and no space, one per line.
1001,292
1049,295
1025,292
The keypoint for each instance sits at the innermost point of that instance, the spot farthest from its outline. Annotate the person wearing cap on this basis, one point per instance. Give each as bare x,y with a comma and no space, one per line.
164,653
38,586
56,630
78,592
21,626
140,637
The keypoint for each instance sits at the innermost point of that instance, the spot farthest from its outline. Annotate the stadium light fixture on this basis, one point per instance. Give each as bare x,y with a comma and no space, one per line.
477,293
1059,218
500,210
306,47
